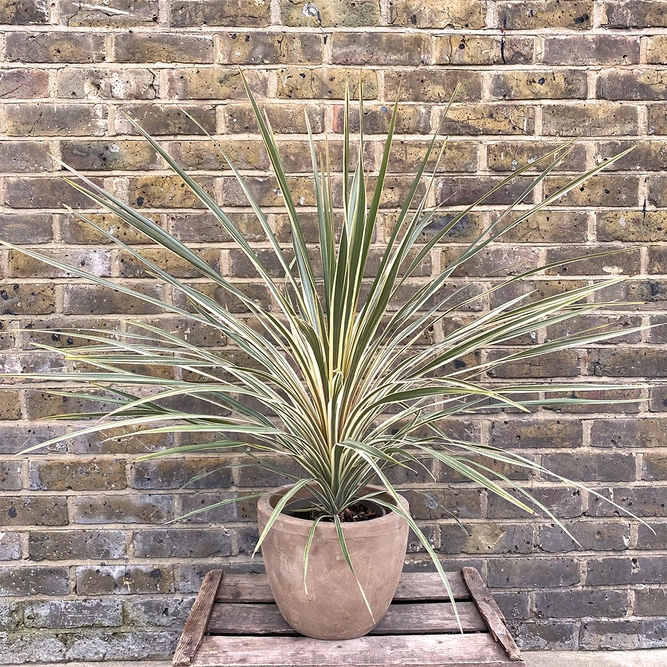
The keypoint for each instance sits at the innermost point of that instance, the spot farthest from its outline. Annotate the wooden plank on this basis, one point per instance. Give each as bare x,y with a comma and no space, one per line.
422,586
490,612
474,650
412,619
413,586
195,627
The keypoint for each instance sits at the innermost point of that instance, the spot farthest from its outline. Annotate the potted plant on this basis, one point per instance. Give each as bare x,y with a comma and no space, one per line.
338,383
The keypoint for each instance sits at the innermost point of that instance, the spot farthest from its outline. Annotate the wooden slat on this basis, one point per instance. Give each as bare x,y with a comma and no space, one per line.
195,627
387,651
412,619
254,588
419,586
490,611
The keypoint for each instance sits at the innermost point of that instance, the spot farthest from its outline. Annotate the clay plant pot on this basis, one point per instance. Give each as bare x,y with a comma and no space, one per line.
334,607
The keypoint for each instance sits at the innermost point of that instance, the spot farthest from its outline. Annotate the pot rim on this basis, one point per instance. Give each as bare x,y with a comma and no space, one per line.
288,523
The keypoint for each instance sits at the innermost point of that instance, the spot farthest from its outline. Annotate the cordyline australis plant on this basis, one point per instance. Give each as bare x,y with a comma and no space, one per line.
338,382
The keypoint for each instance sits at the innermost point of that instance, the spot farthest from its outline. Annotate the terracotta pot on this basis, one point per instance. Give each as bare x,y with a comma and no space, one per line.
334,607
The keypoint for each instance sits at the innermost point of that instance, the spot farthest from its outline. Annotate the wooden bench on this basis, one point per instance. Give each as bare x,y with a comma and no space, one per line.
234,622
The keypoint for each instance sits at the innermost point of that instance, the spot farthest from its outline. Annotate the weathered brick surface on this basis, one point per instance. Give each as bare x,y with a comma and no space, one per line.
84,526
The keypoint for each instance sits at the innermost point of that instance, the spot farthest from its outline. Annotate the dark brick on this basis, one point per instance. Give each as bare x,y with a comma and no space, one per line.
635,14
542,572
552,634
193,13
108,155
583,325
217,83
658,334
622,261
182,543
592,536
241,510
160,612
456,14
165,192
655,466
626,362
424,85
650,601
434,504
410,119
24,84
622,571
657,190
55,47
607,190
623,634
171,473
565,363
98,300
591,49
128,13
54,120
589,119
563,502
657,119
10,475
27,227
167,119
511,155
550,226
629,433
60,614
24,581
10,549
540,433
131,267
476,119
33,511
581,603
97,262
632,226
108,84
614,467
44,192
331,13
274,48
118,645
462,49
86,544
639,84
464,190
574,15
163,48
646,156
23,156
539,85
653,536
136,508
24,12
324,83
486,538
643,501
378,48
284,119
95,474
11,615
124,579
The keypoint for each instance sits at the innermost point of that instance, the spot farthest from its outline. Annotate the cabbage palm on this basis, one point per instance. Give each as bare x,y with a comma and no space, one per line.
338,379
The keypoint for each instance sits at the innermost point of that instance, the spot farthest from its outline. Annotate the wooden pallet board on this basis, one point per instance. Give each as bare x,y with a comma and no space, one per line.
234,622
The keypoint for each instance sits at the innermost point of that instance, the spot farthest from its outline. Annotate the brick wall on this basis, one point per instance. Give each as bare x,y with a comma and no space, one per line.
89,569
